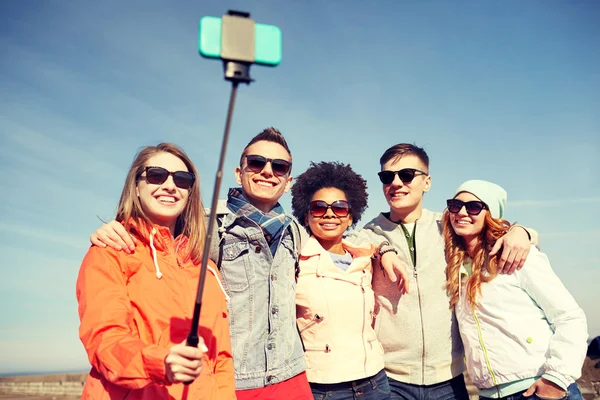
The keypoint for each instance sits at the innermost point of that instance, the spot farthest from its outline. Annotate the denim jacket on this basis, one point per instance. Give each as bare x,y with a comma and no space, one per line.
262,312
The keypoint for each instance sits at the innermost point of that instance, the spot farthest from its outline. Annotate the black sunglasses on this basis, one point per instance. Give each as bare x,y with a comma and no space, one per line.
406,175
158,176
473,207
257,163
340,208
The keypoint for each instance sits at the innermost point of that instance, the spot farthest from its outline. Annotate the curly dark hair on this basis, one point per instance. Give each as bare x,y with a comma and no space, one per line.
329,175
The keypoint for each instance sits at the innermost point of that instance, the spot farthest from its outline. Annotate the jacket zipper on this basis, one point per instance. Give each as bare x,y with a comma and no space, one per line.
422,328
363,327
407,251
485,354
314,320
415,275
325,349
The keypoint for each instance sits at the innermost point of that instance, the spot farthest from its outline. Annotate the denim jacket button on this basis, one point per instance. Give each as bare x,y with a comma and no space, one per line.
257,249
269,346
270,378
273,277
274,310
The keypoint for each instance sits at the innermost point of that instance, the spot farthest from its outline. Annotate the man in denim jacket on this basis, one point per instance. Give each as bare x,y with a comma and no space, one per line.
258,261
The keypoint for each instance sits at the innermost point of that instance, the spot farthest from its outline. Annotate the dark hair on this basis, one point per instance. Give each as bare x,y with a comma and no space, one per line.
329,175
399,150
268,135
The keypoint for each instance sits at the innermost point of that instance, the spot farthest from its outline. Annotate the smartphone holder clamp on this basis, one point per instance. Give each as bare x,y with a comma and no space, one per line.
237,46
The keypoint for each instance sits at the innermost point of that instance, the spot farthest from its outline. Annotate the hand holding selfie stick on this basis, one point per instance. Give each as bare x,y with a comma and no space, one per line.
234,35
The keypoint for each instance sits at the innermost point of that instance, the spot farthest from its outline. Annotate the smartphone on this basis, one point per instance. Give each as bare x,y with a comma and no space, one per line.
267,41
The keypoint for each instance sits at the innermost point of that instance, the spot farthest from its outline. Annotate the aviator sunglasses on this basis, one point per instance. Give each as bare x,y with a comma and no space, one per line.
340,208
473,207
406,175
257,163
158,176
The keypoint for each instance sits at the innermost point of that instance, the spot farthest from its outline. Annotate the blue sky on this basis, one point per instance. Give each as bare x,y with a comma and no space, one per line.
504,91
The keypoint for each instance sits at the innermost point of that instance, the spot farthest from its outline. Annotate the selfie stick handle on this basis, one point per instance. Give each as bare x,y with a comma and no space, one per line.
237,58
192,339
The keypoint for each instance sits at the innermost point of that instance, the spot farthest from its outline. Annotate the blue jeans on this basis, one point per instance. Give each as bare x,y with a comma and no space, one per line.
573,393
373,388
454,389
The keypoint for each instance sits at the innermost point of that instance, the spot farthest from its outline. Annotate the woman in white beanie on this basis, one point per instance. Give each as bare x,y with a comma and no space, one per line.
524,334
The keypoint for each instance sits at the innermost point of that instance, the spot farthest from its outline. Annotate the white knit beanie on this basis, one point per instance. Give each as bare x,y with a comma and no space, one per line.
491,194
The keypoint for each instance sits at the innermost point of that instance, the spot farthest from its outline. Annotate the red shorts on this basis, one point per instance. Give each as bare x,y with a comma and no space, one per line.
295,388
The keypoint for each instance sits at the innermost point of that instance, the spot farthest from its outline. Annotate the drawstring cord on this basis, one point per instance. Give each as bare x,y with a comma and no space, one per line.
154,258
219,282
460,282
160,275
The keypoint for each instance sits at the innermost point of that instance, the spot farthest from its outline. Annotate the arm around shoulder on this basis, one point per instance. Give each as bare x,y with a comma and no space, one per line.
534,237
365,235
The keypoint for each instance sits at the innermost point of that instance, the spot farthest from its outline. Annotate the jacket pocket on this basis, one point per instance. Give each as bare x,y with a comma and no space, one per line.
235,267
376,346
323,349
316,319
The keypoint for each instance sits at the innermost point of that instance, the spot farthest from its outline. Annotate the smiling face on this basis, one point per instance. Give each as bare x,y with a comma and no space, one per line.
264,188
406,199
329,228
163,203
466,225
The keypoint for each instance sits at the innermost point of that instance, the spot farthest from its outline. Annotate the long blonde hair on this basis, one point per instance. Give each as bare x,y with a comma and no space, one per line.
484,267
189,223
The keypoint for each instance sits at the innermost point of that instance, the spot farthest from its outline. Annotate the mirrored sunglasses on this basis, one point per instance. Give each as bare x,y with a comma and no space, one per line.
340,208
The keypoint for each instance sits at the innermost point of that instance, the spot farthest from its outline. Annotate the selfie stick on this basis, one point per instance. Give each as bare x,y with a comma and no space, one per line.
237,53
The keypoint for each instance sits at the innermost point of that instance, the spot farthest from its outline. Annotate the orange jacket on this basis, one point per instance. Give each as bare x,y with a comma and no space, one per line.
130,318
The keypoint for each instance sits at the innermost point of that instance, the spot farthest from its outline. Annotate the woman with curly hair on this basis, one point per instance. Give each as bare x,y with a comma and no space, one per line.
334,298
524,334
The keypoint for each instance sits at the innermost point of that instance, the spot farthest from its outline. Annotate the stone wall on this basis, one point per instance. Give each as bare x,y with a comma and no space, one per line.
71,384
57,384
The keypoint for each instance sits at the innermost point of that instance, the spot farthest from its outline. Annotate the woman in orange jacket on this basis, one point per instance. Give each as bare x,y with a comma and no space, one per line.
135,309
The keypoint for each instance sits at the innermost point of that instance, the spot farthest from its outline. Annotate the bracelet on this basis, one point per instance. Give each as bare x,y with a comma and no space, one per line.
381,253
382,245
